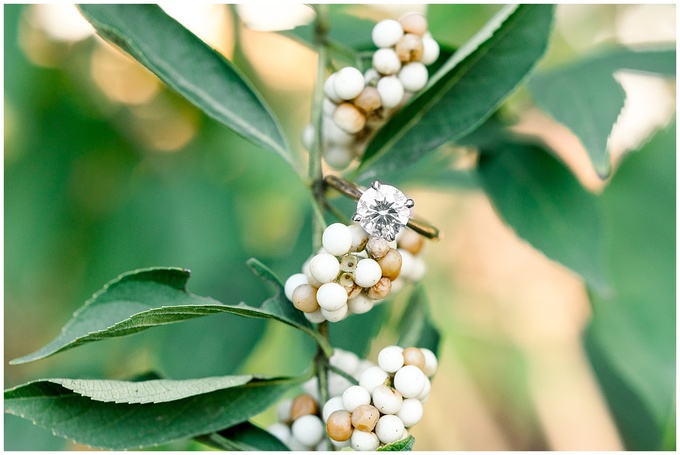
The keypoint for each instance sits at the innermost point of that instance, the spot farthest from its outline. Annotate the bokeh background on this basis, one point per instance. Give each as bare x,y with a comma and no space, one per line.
105,171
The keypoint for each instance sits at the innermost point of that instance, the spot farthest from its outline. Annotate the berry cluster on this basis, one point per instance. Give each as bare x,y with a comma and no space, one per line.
353,271
386,403
299,424
357,104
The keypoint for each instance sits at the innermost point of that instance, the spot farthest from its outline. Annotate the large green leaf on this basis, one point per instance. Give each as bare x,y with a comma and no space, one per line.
146,298
586,98
416,327
191,68
244,436
634,327
465,91
544,203
52,404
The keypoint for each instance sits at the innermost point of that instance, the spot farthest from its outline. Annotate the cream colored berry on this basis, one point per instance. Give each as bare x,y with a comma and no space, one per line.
315,317
430,51
391,264
391,91
338,157
387,399
360,304
331,297
283,411
381,289
355,396
414,23
332,405
409,48
389,429
430,362
339,425
409,381
390,358
368,273
368,100
329,89
304,298
364,440
413,76
336,135
349,118
335,315
308,430
372,377
359,237
407,264
324,267
281,431
364,417
371,77
348,83
337,239
386,61
386,33
411,412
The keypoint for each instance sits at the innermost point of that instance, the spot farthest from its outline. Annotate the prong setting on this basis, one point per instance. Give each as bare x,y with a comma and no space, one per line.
375,185
409,203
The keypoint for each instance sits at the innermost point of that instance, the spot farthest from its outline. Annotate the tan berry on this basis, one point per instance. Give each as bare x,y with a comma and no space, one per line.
339,425
304,298
415,357
381,289
368,100
391,264
409,48
410,241
365,417
348,117
414,23
377,247
303,405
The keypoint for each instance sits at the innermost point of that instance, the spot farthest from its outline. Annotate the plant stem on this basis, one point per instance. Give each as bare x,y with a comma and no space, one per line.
321,25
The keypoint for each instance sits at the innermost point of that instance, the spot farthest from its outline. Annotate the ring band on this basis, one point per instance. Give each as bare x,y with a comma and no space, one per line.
355,192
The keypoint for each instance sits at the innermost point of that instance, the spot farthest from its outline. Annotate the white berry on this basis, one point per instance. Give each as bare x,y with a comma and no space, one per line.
315,316
386,61
387,399
372,378
389,429
348,83
283,410
337,239
360,304
334,134
411,412
331,297
329,89
409,381
430,362
338,157
281,431
419,268
328,106
354,397
371,76
391,91
308,429
311,387
364,441
430,51
337,384
368,273
324,267
344,360
292,282
297,446
340,444
391,359
407,264
386,33
426,391
359,237
413,76
332,405
336,315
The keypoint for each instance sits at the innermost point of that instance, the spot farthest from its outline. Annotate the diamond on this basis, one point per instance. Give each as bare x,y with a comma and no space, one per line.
383,211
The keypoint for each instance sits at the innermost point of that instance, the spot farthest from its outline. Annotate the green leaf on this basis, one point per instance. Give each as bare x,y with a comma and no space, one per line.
465,91
244,436
416,327
191,68
585,97
405,445
544,203
149,391
50,404
634,326
146,298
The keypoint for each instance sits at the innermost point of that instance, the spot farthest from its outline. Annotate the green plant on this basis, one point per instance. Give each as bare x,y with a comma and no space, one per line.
463,103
